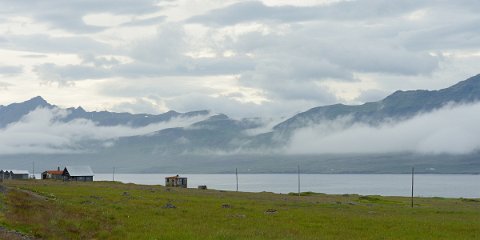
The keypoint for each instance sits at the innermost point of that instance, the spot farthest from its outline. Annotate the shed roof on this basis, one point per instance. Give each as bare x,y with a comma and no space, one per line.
79,171
55,172
175,177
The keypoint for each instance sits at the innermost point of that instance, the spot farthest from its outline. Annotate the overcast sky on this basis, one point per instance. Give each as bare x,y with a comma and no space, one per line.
243,58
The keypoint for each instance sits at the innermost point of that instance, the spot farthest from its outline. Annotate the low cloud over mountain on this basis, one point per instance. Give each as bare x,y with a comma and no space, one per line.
421,126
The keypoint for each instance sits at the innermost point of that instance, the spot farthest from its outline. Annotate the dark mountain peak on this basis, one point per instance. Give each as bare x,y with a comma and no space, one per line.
77,110
37,98
218,117
214,120
470,83
37,101
475,79
172,112
399,95
15,111
197,113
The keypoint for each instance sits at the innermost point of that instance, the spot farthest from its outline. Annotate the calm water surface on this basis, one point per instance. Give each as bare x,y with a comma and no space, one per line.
434,185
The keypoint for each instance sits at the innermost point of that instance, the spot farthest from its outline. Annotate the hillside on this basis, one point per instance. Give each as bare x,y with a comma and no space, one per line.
109,210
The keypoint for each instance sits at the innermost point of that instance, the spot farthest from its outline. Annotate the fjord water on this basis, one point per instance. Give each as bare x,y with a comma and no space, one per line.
426,185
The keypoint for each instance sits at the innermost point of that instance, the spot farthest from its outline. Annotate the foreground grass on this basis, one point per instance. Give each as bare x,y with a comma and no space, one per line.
106,210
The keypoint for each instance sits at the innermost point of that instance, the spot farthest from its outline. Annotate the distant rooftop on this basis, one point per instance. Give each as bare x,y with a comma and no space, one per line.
78,171
15,171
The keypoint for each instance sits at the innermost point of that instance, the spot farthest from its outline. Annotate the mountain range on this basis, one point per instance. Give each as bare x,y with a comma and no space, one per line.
15,111
216,142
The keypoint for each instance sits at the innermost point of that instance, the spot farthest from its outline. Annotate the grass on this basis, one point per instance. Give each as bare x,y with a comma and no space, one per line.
107,210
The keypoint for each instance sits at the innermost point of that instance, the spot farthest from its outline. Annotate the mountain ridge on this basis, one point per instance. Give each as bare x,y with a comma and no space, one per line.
400,105
15,111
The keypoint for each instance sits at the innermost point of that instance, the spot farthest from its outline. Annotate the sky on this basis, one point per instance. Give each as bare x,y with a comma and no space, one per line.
270,58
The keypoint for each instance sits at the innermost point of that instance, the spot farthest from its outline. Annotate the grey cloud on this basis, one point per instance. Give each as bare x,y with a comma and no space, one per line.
303,90
110,68
166,46
371,95
185,67
456,35
290,65
99,61
146,22
337,50
190,94
278,107
34,56
10,70
151,105
40,132
43,43
154,87
381,58
347,10
4,86
66,75
66,21
68,15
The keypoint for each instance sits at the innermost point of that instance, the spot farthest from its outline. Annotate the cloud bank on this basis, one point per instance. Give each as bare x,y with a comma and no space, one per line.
450,130
41,131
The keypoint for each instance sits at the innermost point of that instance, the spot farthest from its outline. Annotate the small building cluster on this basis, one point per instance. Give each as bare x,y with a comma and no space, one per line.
80,174
69,173
14,174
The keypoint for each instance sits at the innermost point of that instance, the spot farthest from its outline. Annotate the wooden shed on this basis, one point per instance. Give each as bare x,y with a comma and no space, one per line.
176,181
14,174
78,173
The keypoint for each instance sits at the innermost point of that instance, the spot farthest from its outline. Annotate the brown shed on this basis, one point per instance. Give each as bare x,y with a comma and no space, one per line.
176,181
53,174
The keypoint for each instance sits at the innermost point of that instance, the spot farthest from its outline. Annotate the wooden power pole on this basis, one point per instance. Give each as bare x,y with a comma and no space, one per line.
236,177
413,181
298,174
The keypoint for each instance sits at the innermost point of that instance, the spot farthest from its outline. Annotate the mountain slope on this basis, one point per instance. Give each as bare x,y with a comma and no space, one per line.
15,111
217,133
400,105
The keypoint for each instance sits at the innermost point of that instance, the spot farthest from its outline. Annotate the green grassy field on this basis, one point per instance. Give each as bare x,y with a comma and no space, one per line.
107,210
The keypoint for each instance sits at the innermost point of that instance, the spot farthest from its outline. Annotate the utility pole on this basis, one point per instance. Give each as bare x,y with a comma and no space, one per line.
113,175
413,173
298,173
33,169
236,176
